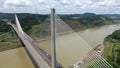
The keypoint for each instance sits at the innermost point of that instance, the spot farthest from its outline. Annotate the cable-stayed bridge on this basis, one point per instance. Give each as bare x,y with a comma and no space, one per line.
42,59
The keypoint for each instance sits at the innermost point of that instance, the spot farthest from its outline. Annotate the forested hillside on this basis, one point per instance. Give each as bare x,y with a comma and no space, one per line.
76,21
4,27
88,19
31,24
112,49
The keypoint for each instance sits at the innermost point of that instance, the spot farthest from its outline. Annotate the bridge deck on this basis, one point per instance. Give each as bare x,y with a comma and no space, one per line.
42,59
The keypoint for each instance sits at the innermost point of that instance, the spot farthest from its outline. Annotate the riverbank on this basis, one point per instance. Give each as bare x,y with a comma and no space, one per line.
9,45
85,61
70,47
112,49
9,41
36,38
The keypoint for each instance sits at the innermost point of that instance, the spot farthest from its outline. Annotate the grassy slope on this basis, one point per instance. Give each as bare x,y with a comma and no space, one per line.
108,49
112,46
9,41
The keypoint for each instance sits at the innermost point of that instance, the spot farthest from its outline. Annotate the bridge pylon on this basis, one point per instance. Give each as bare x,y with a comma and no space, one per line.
18,24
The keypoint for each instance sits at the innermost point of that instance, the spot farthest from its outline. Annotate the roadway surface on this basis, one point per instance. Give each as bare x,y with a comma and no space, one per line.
41,57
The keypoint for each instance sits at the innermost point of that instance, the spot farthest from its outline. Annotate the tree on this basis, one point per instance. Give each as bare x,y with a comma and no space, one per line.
118,60
115,65
4,27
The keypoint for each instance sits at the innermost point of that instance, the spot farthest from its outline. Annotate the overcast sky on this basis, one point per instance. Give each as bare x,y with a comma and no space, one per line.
61,6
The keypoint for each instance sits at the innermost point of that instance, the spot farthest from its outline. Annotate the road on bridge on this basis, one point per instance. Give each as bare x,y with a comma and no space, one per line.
41,57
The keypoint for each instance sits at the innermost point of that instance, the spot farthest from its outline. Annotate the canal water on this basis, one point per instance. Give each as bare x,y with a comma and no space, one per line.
69,48
15,58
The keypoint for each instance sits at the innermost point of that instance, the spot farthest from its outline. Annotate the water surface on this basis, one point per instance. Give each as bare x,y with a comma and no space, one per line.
15,58
69,47
73,46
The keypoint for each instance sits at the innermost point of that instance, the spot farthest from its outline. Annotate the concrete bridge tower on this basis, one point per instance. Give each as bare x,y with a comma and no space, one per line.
18,24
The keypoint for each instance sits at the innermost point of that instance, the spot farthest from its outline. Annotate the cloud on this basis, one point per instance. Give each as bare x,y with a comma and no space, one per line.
89,2
44,5
47,6
41,1
17,3
64,2
78,3
108,4
83,4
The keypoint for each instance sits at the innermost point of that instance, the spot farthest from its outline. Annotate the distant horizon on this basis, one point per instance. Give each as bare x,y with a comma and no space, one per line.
60,14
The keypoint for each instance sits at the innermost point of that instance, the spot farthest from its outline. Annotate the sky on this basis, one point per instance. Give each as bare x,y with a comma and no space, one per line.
61,6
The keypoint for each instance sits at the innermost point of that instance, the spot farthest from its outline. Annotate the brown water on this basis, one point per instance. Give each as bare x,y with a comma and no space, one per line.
69,47
95,36
73,46
15,58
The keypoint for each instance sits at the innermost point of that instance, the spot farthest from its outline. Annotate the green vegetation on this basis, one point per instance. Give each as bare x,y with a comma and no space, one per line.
29,22
91,20
33,24
4,27
9,45
112,49
36,32
86,20
9,41
75,21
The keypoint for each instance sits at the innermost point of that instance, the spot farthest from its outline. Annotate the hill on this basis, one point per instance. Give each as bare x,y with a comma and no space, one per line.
112,49
36,25
86,20
117,16
75,21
